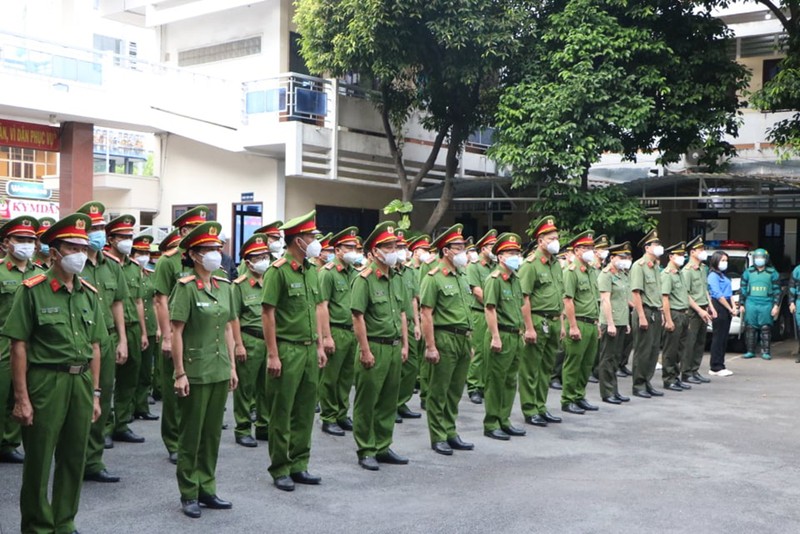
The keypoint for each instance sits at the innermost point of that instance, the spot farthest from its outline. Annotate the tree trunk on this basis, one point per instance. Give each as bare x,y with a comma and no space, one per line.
451,166
585,179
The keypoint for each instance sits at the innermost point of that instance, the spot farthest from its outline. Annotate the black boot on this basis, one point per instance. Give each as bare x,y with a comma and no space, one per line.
766,335
749,341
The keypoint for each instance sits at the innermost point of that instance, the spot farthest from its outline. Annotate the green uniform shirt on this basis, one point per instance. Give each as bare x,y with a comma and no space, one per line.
476,276
379,296
646,277
543,281
10,280
581,287
503,291
672,285
58,326
106,276
447,293
148,292
695,279
168,271
247,293
408,277
205,310
133,278
335,280
292,288
617,284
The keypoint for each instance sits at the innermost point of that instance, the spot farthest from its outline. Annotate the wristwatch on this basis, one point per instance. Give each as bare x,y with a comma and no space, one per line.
98,393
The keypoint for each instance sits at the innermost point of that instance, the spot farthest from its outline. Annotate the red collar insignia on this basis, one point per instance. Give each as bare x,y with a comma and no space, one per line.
544,260
55,285
583,268
295,266
199,283
650,264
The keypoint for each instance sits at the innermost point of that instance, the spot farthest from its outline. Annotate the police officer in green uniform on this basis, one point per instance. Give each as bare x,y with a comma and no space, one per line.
502,298
477,273
615,292
42,257
695,278
760,299
336,381
119,234
379,320
601,245
415,365
55,326
581,310
18,236
647,316
104,272
140,255
541,279
410,367
565,258
675,303
447,324
295,353
275,244
169,242
202,311
169,269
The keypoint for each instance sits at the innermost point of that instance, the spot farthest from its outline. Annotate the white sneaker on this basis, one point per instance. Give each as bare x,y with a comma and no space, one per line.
714,373
725,372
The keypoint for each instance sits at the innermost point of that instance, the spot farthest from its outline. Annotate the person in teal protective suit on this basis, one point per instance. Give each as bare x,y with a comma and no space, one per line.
760,301
794,290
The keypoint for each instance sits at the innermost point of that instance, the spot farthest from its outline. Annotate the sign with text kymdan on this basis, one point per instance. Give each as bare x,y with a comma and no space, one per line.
28,135
12,207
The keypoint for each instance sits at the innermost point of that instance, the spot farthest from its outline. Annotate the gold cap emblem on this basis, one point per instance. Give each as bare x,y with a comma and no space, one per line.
80,224
212,231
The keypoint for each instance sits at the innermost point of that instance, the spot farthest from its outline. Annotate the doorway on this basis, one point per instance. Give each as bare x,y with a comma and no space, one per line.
246,220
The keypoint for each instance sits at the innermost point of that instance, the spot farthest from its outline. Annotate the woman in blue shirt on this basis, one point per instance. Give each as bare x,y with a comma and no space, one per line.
719,287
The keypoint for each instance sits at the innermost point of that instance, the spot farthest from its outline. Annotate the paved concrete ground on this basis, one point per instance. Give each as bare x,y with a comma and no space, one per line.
720,458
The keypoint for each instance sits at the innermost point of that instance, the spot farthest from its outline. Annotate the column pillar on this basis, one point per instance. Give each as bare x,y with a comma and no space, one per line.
76,177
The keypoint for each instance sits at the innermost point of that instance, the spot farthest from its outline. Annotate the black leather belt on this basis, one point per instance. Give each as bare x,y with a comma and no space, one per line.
685,312
302,342
454,330
586,320
384,340
548,316
347,327
255,332
71,369
651,308
479,310
508,329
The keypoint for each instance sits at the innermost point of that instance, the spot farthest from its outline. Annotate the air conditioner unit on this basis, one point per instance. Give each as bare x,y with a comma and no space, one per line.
693,156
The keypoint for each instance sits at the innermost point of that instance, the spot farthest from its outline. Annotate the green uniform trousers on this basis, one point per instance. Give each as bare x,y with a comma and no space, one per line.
199,434
145,382
262,402
646,347
6,395
610,356
245,395
578,362
375,403
446,381
692,357
62,414
424,375
674,347
336,379
476,375
94,451
127,376
536,365
170,417
409,372
627,347
292,398
501,380
158,373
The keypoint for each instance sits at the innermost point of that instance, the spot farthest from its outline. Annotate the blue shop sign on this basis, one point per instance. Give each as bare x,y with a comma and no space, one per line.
28,190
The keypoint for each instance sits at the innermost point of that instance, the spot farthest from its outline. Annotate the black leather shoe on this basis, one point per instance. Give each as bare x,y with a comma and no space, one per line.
214,502
555,384
405,413
333,429
346,424
701,378
369,463
621,398
173,458
262,436
612,400
422,404
191,509
691,380
397,419
625,370
683,385
284,483
391,457
641,393
593,379
102,476
129,436
673,387
550,418
476,397
12,457
583,403
247,441
496,434
514,431
573,408
145,416
536,420
441,447
304,477
458,444
654,392
108,443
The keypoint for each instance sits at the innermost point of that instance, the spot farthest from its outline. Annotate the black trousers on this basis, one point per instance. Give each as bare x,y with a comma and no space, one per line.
720,327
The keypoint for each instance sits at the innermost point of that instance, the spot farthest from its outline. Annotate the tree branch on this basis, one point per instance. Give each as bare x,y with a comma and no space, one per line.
397,157
776,10
429,163
448,190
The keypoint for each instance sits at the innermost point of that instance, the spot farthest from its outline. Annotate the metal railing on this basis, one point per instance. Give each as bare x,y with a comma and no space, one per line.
291,96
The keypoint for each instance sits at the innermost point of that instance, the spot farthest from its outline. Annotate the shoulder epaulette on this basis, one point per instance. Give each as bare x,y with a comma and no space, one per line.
495,274
186,279
221,279
433,271
88,286
240,279
607,269
530,258
34,280
328,266
278,263
171,252
365,272
111,257
432,259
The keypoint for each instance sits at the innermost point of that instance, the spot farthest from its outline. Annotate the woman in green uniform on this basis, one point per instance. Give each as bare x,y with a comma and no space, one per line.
201,310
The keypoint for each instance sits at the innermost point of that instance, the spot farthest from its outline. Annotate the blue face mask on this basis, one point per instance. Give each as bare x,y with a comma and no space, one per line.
44,250
513,262
760,262
330,257
97,240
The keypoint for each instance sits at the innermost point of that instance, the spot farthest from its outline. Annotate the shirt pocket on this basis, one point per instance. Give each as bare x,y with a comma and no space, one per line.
8,287
55,326
544,278
649,277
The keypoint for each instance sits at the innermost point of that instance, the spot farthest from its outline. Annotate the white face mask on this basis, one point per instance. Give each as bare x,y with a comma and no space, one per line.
73,263
473,257
679,260
493,256
603,254
313,249
658,251
23,251
260,267
460,260
389,258
424,256
212,261
142,260
723,266
624,265
125,246
553,246
588,256
276,247
702,255
401,255
350,257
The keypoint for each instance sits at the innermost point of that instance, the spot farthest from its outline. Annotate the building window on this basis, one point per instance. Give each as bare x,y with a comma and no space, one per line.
296,62
27,163
771,68
180,209
220,52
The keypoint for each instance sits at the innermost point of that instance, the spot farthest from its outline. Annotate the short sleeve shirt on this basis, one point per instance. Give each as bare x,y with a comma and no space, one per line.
646,277
335,280
379,296
581,287
476,276
617,284
169,270
672,285
408,277
247,291
148,292
695,279
292,288
542,281
502,290
133,278
10,280
448,293
107,277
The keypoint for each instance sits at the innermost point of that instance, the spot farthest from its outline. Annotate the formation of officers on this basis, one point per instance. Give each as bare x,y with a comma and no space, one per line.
95,323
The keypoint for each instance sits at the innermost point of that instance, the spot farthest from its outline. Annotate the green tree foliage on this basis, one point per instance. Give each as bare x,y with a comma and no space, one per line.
404,209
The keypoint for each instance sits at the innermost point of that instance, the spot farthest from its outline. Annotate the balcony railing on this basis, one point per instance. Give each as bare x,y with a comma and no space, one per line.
290,96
